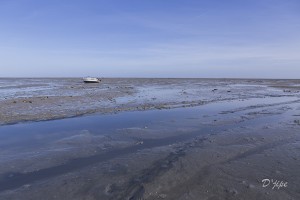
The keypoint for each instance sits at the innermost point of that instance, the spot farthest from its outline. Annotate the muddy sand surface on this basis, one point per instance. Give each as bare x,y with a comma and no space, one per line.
149,139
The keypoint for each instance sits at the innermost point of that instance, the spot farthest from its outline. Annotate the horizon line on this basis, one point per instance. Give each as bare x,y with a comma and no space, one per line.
111,77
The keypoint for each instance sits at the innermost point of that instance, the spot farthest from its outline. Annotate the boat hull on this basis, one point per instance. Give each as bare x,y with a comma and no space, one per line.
91,80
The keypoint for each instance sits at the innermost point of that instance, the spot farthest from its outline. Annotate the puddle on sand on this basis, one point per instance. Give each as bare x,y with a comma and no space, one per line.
18,134
37,132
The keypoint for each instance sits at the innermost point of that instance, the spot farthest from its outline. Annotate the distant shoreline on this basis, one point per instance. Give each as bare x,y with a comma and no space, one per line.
212,78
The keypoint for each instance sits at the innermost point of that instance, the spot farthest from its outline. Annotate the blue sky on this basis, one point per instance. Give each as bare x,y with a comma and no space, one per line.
150,38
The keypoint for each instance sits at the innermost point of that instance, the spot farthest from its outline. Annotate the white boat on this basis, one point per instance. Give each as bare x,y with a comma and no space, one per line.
91,80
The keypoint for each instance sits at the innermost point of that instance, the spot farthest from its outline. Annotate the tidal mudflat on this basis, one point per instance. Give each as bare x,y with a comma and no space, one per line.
149,139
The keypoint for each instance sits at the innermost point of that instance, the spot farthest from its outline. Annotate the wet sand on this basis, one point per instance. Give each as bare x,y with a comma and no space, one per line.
149,139
45,99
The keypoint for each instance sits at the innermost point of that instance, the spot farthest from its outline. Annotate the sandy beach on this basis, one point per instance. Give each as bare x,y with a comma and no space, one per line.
149,139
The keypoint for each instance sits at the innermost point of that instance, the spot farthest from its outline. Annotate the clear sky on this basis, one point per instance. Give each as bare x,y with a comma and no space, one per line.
150,38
